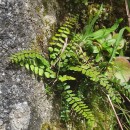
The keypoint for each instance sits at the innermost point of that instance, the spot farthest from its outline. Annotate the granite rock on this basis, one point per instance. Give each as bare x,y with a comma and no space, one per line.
24,104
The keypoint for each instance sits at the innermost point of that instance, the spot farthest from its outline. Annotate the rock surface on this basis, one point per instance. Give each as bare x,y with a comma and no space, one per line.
20,116
24,104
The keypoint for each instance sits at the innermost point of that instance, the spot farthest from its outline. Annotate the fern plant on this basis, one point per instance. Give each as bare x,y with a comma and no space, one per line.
73,68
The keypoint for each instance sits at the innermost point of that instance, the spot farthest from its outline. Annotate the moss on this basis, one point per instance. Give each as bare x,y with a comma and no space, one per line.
45,4
46,126
103,113
52,126
37,8
38,45
59,126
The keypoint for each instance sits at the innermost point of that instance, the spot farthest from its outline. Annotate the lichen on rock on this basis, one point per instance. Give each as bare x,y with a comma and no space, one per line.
20,116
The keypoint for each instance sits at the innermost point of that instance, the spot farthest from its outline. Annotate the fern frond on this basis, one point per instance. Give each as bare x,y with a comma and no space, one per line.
78,105
33,61
60,40
28,54
94,75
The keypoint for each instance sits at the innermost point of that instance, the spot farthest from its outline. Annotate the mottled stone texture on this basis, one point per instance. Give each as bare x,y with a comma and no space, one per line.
24,104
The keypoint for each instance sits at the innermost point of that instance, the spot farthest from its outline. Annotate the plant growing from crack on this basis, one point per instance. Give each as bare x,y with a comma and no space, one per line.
81,63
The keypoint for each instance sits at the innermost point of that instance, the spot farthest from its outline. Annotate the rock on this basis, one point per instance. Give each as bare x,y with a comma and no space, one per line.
24,104
20,116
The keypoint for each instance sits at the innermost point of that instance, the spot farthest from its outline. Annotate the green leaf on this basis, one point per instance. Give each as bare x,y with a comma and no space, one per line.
67,22
33,55
117,43
15,60
83,71
58,35
76,99
64,35
74,105
67,25
80,112
19,58
77,108
99,57
69,91
75,68
36,70
26,55
56,50
105,32
63,56
68,99
42,67
95,49
111,42
50,49
53,75
45,62
38,56
66,87
47,74
41,72
54,38
22,64
60,30
27,66
65,78
121,69
63,28
52,43
72,102
67,32
53,56
60,39
32,67
59,45
84,67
